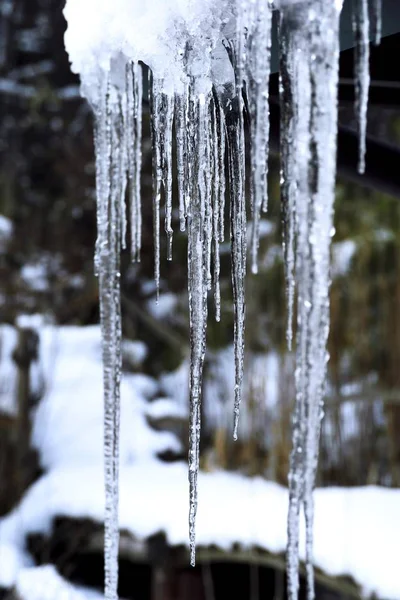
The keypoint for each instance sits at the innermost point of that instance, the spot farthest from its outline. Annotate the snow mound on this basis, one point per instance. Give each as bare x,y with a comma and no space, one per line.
44,583
12,560
158,34
68,424
356,530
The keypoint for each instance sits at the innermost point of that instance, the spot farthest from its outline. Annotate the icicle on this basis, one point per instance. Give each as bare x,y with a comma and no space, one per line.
198,131
215,148
155,94
221,171
162,108
206,153
236,157
361,76
138,79
295,127
376,21
168,106
289,92
180,134
233,106
133,136
108,141
309,73
258,56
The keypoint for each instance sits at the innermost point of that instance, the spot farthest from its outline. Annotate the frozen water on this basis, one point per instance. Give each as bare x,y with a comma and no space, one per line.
309,76
209,65
361,75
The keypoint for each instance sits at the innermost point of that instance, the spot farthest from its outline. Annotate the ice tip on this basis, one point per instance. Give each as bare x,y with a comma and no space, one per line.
235,428
192,555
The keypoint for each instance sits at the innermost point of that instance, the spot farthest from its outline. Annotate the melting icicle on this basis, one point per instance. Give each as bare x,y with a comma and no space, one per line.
188,62
156,133
180,134
377,21
133,134
109,144
362,78
215,148
236,158
167,169
258,56
197,132
309,74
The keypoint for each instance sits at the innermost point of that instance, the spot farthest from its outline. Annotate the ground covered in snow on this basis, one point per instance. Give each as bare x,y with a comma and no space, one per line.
356,530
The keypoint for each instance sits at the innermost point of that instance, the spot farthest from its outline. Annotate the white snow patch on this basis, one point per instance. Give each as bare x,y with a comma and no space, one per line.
342,255
12,560
356,530
166,407
134,352
8,371
35,276
164,307
44,583
6,230
68,423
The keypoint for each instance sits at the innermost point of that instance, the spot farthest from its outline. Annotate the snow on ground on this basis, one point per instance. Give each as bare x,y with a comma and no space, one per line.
8,374
5,232
44,583
68,424
164,306
342,255
12,560
357,531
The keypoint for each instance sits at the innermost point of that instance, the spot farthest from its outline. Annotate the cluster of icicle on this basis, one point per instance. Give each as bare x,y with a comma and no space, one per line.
206,116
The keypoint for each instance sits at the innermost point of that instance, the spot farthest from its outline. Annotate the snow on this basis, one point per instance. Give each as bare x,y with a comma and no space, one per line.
134,352
44,583
162,408
68,423
35,276
12,560
163,307
342,256
356,530
8,373
5,231
156,35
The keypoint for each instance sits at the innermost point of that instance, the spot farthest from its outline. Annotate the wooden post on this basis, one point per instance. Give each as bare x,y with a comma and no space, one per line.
24,354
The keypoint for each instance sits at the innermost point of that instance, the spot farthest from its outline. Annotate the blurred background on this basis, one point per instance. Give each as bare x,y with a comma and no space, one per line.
51,383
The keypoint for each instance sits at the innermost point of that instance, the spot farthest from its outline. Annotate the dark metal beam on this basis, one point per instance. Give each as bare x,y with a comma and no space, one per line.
382,160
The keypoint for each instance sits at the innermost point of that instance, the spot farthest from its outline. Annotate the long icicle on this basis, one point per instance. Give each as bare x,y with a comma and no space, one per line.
197,128
235,137
324,89
133,137
361,74
108,142
215,149
258,58
234,123
288,94
295,125
168,116
376,21
309,70
155,88
138,81
180,135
